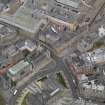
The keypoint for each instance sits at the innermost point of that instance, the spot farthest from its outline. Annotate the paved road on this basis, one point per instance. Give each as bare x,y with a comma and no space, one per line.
60,65
70,77
13,98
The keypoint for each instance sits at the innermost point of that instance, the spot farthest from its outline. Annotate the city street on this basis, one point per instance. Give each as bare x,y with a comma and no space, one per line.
61,65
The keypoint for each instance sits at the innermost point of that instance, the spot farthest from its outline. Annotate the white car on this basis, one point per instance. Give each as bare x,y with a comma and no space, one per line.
15,91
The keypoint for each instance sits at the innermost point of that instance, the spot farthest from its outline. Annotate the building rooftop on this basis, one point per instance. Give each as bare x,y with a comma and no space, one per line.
20,20
64,13
72,3
7,31
11,50
18,67
3,61
26,45
57,37
96,56
87,41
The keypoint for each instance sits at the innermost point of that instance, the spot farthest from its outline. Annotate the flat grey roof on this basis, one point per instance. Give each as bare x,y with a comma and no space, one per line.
72,3
18,67
23,18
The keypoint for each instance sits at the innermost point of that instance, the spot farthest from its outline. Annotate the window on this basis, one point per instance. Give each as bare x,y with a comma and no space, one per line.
22,73
75,11
59,5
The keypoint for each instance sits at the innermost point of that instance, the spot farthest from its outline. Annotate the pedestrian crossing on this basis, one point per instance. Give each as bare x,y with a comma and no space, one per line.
34,88
31,88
